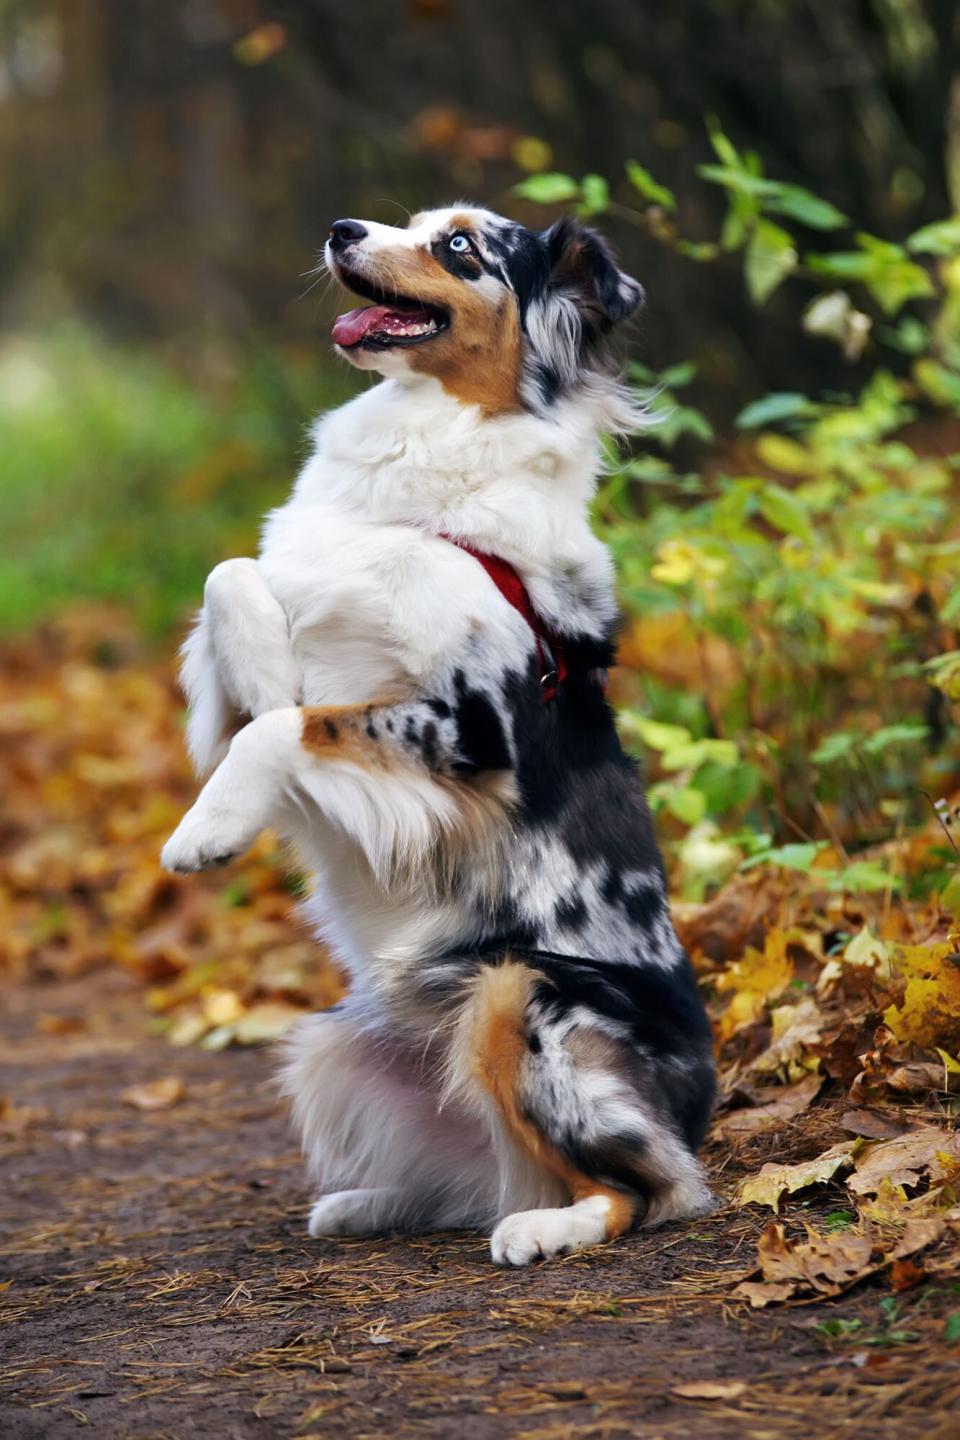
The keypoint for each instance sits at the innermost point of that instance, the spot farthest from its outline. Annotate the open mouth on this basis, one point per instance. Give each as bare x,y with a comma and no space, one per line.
387,321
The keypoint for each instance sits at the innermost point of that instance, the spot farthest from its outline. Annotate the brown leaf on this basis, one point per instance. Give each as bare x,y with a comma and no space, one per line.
824,1263
709,1389
928,1154
920,1076
158,1094
905,1274
60,1024
873,1123
784,1104
761,1293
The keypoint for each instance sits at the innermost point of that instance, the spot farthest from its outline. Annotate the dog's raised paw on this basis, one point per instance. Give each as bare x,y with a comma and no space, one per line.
198,845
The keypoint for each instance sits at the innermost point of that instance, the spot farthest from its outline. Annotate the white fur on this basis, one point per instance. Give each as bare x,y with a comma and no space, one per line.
541,1234
355,599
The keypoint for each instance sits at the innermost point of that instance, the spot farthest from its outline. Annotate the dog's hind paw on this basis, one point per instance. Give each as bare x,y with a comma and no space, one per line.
350,1212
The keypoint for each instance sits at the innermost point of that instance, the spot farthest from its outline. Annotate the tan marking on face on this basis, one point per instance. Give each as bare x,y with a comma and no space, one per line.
498,1048
478,359
461,221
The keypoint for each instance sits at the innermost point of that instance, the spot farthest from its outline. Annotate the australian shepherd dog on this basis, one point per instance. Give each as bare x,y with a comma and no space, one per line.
408,685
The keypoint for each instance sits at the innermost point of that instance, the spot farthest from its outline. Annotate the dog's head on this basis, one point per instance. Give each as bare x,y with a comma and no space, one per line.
504,317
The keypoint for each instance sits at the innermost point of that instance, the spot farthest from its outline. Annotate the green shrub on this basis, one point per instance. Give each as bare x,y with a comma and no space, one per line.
808,568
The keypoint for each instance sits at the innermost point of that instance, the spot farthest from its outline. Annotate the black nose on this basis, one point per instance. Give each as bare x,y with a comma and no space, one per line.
344,232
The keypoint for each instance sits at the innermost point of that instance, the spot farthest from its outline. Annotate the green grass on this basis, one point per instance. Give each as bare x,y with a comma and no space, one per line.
121,480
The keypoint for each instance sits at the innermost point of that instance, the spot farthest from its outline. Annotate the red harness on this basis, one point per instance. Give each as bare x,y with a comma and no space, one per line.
551,650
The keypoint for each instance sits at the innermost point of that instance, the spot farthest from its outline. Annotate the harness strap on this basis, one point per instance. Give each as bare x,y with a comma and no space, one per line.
551,650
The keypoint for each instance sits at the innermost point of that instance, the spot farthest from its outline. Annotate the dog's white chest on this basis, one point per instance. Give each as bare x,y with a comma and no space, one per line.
372,608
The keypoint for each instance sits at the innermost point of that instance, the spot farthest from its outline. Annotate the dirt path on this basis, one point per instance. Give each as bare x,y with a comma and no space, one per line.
160,1285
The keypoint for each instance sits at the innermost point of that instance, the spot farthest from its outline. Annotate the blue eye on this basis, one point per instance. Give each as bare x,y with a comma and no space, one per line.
460,244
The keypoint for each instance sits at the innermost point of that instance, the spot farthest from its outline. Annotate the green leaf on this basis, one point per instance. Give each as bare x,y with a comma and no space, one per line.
684,802
687,755
940,238
941,384
951,1330
700,251
782,509
722,145
790,857
641,180
898,282
780,405
839,1220
740,180
861,877
550,188
676,376
883,268
888,735
910,335
595,193
769,259
950,609
798,203
834,747
655,733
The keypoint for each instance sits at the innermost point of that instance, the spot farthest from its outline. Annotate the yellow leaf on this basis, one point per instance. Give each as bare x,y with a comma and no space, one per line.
267,1021
787,456
755,980
222,1007
929,1012
775,1180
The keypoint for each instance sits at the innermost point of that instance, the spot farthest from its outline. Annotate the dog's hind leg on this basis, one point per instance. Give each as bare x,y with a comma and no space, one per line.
561,1093
382,1149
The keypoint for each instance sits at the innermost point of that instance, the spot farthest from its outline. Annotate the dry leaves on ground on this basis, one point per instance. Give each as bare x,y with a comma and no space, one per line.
824,1004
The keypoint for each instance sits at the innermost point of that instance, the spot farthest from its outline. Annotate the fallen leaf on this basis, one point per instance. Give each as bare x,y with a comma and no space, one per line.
905,1274
873,1124
60,1024
155,1094
920,1076
929,1012
784,1104
928,1154
761,976
830,1264
761,1293
266,1022
709,1389
795,1028
825,1263
775,1180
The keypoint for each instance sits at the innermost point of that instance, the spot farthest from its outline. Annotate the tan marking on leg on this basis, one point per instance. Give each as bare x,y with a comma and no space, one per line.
498,1049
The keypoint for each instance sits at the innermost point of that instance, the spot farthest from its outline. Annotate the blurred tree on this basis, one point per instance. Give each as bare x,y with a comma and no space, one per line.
172,168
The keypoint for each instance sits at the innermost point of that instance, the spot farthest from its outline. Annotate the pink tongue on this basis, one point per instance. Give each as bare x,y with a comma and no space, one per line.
350,329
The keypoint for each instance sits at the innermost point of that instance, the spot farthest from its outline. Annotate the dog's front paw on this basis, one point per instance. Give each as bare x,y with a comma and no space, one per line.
202,841
540,1234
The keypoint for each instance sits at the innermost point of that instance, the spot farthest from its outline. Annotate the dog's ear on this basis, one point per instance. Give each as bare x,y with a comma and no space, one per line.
582,264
